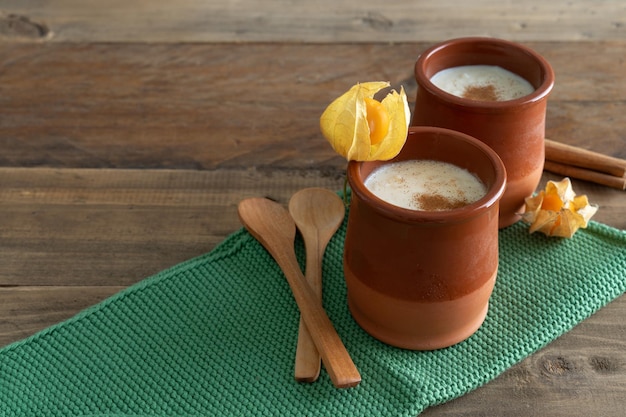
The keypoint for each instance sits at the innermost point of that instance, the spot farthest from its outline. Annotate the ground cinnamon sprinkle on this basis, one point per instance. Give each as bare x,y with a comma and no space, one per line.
482,93
434,202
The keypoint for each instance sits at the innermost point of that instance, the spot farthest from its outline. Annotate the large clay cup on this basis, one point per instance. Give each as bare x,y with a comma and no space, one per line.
422,280
515,129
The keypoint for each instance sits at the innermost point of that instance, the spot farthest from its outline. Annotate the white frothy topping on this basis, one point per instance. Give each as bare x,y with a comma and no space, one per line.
482,82
425,185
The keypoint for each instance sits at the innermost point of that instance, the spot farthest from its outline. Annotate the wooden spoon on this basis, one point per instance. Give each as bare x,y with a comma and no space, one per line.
272,225
318,213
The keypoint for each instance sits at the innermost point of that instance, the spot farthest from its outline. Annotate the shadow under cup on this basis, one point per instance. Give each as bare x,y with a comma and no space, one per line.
515,129
422,280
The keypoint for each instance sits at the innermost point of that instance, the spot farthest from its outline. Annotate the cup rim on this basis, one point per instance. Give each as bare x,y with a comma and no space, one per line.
537,95
493,195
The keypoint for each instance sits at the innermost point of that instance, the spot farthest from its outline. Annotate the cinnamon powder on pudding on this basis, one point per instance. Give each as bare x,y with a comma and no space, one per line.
436,202
482,93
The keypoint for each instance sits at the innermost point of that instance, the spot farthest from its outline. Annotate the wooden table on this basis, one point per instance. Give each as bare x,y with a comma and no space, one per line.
129,131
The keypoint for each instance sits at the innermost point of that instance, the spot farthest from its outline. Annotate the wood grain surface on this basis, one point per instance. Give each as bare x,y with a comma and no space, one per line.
317,21
232,106
129,132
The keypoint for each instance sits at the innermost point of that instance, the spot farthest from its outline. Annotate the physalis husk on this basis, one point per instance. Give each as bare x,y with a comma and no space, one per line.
361,128
557,210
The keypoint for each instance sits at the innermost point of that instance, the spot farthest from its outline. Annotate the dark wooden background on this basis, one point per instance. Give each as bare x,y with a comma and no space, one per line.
129,131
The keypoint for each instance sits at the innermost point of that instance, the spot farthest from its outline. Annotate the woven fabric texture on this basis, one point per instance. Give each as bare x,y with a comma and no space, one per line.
216,336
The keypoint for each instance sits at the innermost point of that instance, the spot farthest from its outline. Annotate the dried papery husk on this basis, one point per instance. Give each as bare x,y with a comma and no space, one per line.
557,210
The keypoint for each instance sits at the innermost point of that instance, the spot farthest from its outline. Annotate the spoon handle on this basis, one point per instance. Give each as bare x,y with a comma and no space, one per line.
308,359
337,360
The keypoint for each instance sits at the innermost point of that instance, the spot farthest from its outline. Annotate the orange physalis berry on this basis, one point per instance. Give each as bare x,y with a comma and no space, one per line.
551,202
377,119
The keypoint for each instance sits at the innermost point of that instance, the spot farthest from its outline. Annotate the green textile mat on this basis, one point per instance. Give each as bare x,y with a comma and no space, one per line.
216,336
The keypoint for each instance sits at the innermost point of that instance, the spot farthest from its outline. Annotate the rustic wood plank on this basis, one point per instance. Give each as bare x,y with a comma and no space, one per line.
115,227
319,21
119,226
235,106
27,310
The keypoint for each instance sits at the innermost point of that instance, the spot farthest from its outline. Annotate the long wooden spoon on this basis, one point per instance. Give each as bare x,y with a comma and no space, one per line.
318,213
272,225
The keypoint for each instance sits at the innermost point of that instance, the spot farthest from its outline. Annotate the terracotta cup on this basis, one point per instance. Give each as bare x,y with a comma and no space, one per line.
515,129
422,280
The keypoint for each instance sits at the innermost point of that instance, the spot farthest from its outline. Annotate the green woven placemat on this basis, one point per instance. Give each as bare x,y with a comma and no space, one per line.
216,336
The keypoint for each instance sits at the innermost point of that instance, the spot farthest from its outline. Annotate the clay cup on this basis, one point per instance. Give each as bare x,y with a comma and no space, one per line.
422,280
515,128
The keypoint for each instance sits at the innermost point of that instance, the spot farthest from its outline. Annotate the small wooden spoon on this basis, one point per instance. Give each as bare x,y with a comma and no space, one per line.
272,225
318,213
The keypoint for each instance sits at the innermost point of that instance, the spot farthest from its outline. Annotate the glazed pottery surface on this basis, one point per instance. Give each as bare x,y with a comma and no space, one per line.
422,279
515,129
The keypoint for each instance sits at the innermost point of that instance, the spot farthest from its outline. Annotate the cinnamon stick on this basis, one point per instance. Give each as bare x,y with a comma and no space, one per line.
583,158
586,174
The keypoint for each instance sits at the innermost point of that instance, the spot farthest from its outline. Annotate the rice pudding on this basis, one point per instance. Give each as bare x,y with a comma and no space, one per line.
482,82
425,185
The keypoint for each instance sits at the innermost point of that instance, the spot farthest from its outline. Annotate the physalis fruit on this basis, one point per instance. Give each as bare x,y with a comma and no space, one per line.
557,210
361,128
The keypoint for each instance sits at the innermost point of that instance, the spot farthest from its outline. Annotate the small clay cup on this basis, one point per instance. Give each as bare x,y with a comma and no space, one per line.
515,129
422,280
